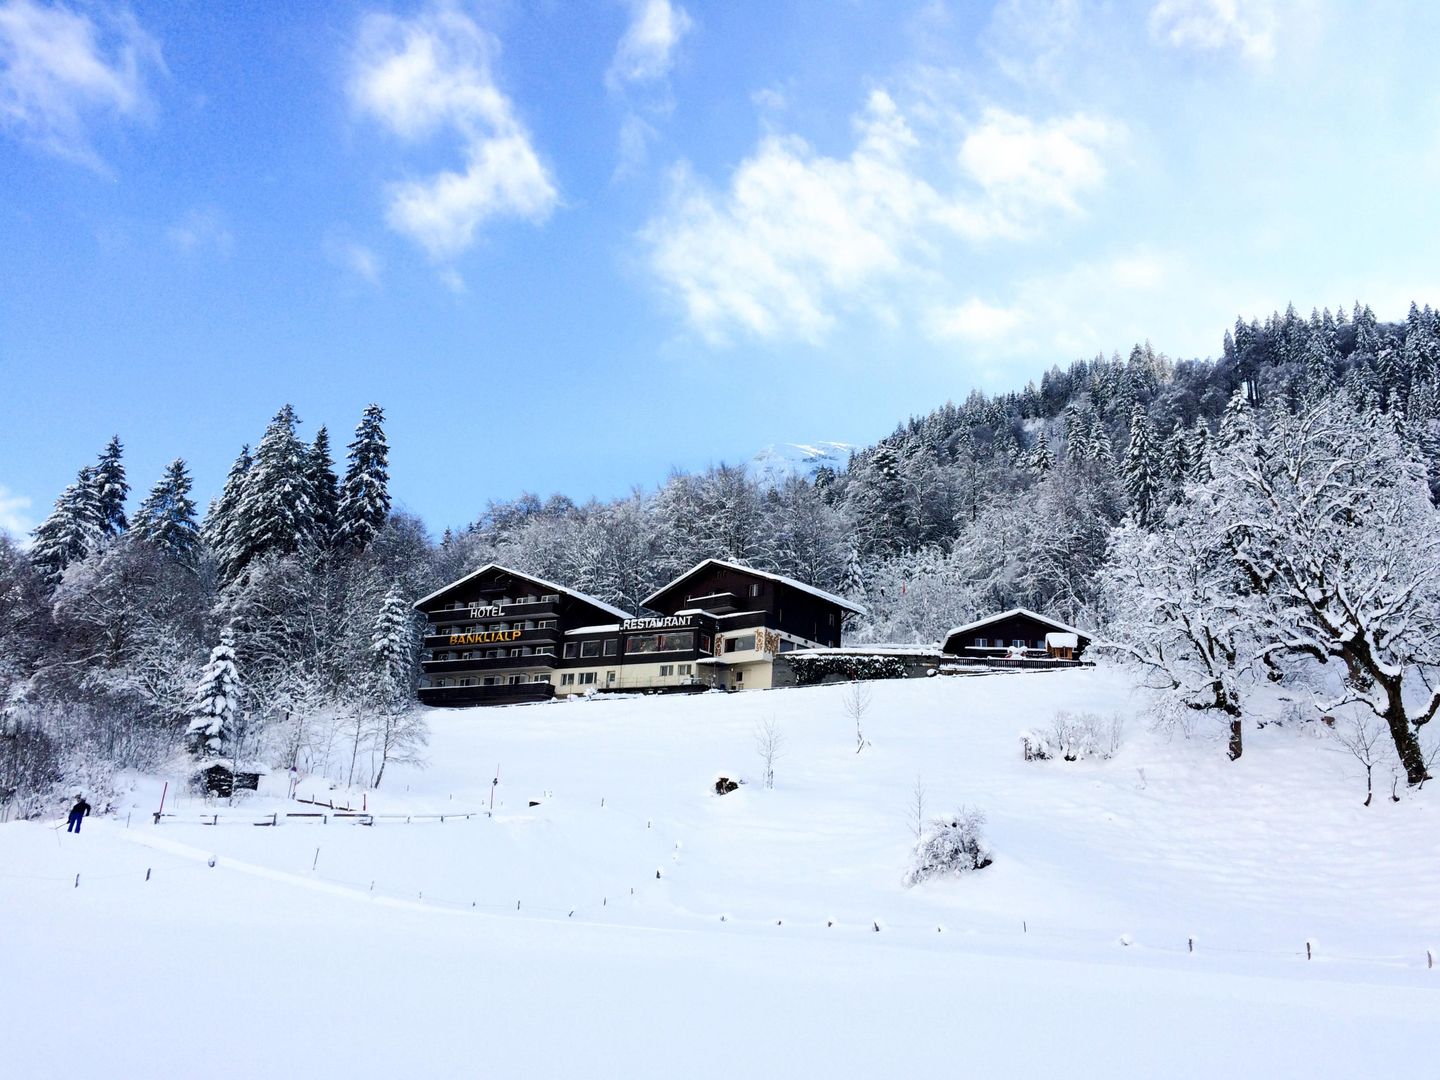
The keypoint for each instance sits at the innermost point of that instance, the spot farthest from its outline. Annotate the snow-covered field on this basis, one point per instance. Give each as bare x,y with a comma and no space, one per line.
540,942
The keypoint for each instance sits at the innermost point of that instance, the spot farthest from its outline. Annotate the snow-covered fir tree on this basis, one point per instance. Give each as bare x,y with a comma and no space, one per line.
218,701
1041,461
1142,470
111,489
220,528
324,487
275,514
166,518
72,531
365,495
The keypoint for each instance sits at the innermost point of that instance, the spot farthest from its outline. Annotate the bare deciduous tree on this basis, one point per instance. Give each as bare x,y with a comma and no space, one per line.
769,744
1361,735
916,810
857,703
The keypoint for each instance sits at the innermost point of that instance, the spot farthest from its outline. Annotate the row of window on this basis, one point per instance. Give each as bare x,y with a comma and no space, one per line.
568,678
461,605
495,654
999,643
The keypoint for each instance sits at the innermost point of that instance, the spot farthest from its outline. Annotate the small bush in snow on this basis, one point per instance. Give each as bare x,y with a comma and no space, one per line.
952,845
1072,736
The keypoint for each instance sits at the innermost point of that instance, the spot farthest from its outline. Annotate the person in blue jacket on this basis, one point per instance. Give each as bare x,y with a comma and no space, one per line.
77,813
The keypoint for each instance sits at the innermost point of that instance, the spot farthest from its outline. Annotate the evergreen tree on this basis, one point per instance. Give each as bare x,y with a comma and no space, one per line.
1236,425
1141,469
166,518
1319,368
1041,460
392,649
1180,467
275,515
324,487
111,489
71,532
217,704
365,496
220,530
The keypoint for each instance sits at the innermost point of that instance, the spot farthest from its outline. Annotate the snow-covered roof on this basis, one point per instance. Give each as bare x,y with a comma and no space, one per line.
781,578
1062,641
602,628
583,597
1015,611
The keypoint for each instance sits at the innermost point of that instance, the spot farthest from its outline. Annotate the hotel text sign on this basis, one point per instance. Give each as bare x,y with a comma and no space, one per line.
479,611
669,622
487,637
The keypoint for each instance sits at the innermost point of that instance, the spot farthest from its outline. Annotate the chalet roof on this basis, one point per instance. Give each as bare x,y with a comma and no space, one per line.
978,623
840,601
541,582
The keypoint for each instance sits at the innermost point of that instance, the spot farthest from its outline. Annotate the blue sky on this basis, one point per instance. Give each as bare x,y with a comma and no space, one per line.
569,245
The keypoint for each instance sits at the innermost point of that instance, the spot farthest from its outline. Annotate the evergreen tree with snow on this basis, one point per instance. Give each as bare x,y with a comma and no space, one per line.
1236,424
365,496
275,514
392,649
215,709
111,489
1141,470
71,532
1041,461
324,487
220,530
166,518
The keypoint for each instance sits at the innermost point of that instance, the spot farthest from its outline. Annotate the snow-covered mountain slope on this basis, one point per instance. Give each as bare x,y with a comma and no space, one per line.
632,923
776,463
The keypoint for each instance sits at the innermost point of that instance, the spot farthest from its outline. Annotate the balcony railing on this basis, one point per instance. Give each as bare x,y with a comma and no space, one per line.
488,663
461,696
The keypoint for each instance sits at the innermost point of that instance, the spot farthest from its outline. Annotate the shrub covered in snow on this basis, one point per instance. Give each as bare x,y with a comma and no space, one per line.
813,669
1072,736
951,845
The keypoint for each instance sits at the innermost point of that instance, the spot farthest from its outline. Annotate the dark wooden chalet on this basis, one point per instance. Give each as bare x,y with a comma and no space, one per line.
497,636
1016,633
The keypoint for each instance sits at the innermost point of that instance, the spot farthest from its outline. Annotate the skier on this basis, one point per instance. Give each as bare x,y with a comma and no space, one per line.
77,813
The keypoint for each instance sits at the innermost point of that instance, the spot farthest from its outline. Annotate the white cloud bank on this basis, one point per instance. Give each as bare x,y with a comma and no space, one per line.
799,235
61,69
431,74
1247,25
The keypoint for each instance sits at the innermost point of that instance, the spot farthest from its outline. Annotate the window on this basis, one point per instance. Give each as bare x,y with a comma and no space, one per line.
786,645
540,678
981,642
667,670
570,650
830,619
546,624
612,646
739,677
686,669
743,643
587,678
648,643
610,677
590,648
545,650
442,682
1017,643
516,680
705,643
755,589
491,680
567,679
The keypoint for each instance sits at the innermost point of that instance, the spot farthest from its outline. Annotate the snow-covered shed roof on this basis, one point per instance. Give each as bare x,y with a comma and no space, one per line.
541,582
781,578
1062,641
1061,627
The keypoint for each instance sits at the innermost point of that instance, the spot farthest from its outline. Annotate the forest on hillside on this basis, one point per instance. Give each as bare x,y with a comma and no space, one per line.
277,624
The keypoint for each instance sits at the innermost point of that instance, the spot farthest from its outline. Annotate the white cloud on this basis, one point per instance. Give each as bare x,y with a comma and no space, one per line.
352,257
201,230
13,517
975,320
432,74
799,235
1248,25
647,50
59,69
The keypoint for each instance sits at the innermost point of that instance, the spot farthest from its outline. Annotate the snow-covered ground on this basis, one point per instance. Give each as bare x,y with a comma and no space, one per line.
540,941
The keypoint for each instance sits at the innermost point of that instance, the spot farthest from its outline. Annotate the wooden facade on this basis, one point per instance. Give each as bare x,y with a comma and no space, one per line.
498,636
1019,633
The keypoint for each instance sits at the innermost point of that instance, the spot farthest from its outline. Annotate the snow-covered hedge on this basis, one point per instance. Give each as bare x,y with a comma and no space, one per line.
952,845
812,669
1072,736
